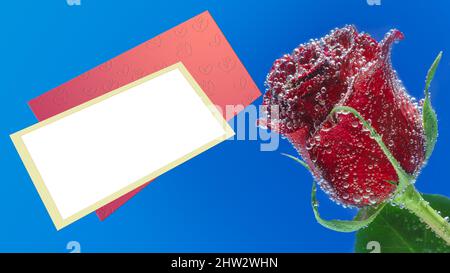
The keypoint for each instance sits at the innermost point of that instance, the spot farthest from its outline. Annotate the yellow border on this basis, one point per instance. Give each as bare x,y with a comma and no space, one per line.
39,183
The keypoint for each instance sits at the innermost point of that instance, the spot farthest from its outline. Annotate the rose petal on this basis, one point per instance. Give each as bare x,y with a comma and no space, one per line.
308,83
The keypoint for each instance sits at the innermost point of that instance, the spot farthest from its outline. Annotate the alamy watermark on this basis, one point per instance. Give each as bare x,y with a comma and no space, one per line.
73,2
374,247
373,2
245,124
73,247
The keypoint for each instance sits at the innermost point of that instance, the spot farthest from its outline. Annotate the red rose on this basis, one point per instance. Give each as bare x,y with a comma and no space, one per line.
346,68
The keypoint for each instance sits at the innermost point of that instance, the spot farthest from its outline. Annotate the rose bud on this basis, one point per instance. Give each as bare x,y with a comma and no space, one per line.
346,68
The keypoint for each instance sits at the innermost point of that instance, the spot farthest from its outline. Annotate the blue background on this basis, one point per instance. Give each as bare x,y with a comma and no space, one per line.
233,197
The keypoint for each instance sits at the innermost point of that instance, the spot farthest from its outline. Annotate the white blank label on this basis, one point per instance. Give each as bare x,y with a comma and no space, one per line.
88,156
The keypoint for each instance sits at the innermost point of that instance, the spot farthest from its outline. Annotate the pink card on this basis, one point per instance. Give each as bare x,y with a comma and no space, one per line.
198,43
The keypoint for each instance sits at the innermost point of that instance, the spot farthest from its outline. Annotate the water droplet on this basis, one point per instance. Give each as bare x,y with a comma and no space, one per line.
357,198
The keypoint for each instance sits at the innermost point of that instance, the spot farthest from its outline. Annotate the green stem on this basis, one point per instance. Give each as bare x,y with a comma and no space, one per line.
414,202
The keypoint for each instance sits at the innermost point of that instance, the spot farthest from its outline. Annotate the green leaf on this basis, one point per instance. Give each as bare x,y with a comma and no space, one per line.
432,71
398,230
429,117
364,218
